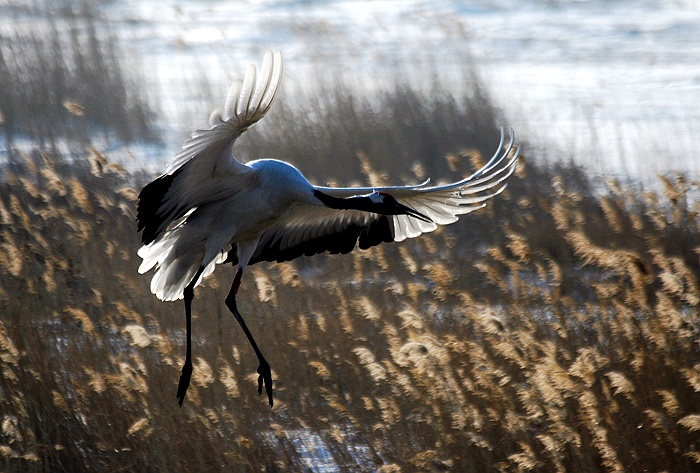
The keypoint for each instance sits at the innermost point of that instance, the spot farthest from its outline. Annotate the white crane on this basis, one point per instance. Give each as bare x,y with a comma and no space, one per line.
208,208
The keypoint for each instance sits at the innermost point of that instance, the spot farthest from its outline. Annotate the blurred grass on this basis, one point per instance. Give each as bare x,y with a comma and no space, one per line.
555,330
64,79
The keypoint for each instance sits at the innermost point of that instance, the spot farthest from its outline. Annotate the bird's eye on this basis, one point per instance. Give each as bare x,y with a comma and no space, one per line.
377,197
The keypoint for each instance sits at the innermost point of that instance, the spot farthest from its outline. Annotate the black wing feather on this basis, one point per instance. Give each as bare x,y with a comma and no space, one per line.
376,231
151,199
342,241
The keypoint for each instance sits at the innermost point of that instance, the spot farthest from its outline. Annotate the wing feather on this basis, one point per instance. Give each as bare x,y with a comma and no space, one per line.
444,203
243,100
205,170
310,230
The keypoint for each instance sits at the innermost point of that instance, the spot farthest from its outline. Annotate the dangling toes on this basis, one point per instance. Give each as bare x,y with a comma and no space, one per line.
265,376
184,382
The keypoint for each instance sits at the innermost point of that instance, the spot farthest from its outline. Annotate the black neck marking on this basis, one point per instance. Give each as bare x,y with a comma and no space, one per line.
362,202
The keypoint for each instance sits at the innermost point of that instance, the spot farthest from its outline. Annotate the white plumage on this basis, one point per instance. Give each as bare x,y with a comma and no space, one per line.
209,208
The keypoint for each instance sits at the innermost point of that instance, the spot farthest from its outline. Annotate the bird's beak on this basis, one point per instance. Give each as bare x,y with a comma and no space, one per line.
404,210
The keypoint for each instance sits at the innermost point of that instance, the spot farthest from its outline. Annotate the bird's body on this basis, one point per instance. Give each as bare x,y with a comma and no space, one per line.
208,208
266,192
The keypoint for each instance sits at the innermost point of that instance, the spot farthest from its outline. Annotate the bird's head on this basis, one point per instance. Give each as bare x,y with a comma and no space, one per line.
385,204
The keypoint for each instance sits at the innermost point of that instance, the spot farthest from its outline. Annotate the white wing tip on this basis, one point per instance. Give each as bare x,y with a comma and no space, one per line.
248,102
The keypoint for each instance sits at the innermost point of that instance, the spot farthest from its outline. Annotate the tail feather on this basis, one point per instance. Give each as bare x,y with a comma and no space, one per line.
176,257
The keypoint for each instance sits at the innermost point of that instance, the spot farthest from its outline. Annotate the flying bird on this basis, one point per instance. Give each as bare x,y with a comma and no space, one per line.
209,208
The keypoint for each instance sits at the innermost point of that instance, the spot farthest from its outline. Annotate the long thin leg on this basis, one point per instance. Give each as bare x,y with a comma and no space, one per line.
265,375
184,382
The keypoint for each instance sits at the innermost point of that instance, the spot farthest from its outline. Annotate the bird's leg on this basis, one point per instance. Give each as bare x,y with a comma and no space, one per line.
265,375
184,382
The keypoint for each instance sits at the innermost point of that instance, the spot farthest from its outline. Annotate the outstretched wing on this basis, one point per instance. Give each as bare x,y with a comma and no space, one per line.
306,230
205,170
443,204
309,230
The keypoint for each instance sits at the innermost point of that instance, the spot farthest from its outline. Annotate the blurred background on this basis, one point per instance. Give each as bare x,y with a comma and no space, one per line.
611,84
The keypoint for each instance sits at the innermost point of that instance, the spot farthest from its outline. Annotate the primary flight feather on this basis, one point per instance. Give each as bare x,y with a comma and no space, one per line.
209,208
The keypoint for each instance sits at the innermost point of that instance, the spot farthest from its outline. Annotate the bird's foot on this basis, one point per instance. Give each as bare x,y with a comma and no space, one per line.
184,382
265,376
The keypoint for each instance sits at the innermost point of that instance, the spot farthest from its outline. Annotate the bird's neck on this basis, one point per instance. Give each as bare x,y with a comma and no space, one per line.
363,203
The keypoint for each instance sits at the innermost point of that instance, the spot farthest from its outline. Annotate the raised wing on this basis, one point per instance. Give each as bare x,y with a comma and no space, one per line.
443,204
245,105
205,170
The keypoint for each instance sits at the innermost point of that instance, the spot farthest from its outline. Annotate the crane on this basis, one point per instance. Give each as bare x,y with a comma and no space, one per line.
208,208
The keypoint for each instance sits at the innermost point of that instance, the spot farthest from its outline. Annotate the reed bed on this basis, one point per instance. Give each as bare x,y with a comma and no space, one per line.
554,330
557,330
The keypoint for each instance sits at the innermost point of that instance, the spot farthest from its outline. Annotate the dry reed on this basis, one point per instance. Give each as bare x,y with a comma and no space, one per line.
556,332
